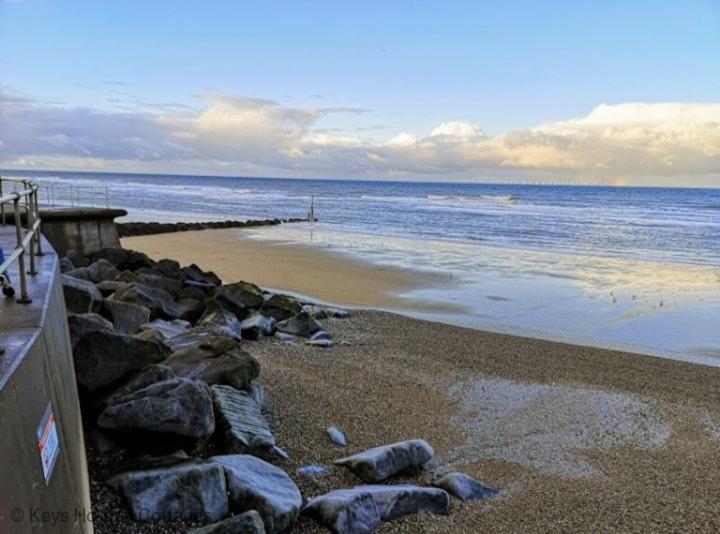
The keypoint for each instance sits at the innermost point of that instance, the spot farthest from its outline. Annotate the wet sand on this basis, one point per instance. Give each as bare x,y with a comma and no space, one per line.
289,267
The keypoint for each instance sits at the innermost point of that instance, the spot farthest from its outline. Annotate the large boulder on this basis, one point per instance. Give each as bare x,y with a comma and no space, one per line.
249,294
108,287
177,406
158,301
82,323
167,329
257,326
194,293
221,321
257,485
103,357
193,491
300,324
150,374
81,296
240,421
350,510
124,259
247,523
191,309
380,463
170,285
464,487
227,300
280,307
99,271
215,360
196,274
126,316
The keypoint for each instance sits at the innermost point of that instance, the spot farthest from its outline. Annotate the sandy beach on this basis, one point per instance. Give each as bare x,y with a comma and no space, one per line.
288,267
575,438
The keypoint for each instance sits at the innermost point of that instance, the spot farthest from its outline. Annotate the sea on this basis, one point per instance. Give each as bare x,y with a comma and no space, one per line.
619,267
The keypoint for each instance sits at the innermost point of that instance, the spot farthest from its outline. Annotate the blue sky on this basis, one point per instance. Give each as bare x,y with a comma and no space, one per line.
397,66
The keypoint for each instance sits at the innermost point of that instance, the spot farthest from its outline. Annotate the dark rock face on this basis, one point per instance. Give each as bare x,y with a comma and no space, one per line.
82,323
257,326
247,523
126,316
190,309
221,321
300,324
167,329
150,374
193,491
188,292
81,296
243,426
196,274
66,265
249,294
108,287
177,406
216,360
170,285
280,307
128,277
464,487
101,270
349,510
124,259
103,357
256,485
228,301
380,463
158,301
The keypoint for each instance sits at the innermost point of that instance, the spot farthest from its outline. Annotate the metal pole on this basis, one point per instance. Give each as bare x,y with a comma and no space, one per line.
29,220
107,197
38,238
2,206
24,298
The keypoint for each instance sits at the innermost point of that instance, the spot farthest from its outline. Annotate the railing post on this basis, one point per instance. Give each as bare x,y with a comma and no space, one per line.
29,220
24,298
2,206
38,238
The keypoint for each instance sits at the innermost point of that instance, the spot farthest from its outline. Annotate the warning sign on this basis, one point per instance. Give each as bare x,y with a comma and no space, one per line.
48,442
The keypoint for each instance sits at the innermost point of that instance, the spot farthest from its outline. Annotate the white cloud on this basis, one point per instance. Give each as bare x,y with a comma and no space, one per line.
659,143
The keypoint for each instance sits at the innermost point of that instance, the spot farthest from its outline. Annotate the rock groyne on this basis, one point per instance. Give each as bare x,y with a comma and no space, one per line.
130,229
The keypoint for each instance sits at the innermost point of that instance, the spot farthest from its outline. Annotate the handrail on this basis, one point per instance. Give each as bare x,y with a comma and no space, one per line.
27,240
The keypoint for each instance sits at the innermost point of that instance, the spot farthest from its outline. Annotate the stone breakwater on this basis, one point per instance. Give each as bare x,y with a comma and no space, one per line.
174,412
150,228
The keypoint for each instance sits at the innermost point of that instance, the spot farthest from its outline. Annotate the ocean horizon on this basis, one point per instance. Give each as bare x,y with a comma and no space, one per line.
634,268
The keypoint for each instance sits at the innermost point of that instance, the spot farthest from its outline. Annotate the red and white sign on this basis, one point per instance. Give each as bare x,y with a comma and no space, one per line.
48,442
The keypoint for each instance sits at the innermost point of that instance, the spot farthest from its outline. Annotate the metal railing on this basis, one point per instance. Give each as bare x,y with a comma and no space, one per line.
60,194
24,200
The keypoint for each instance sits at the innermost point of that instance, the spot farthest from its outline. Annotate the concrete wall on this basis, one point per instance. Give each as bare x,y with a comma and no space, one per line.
78,232
36,370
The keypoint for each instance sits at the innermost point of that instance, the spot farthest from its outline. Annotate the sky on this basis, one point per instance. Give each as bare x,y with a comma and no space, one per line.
608,92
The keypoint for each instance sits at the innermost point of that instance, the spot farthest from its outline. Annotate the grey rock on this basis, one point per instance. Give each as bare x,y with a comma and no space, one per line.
82,323
126,316
257,485
193,491
221,321
103,357
96,272
345,512
128,277
170,285
380,463
312,470
66,265
81,296
464,487
192,338
257,326
300,324
314,311
215,360
124,259
348,510
190,309
249,294
241,422
345,343
256,392
168,329
320,335
194,293
177,406
280,307
159,301
150,374
108,287
336,436
279,453
196,274
227,301
150,461
323,343
247,523
337,313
